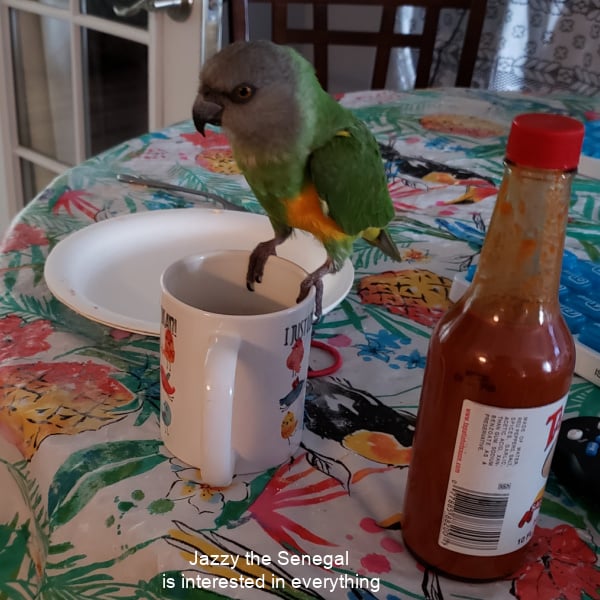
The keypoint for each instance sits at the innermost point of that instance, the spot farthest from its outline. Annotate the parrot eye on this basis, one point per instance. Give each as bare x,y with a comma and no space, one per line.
242,93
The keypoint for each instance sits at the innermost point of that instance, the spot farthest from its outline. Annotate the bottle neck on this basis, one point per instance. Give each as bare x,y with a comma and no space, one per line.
521,260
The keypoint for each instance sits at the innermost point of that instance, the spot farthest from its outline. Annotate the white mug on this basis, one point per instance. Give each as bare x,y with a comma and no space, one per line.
233,363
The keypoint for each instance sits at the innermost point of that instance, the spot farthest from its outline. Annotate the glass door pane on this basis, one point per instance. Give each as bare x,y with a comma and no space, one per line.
34,178
115,89
104,9
43,84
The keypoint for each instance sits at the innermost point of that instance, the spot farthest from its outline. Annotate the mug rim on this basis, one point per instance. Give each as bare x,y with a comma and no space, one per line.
232,251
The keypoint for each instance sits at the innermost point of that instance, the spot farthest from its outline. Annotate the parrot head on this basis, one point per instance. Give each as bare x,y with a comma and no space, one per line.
251,90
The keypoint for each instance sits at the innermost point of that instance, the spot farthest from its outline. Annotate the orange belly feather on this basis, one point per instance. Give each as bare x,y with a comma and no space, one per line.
305,212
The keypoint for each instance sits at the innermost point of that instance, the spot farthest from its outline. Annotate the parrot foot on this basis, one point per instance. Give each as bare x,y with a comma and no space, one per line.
305,289
315,279
258,260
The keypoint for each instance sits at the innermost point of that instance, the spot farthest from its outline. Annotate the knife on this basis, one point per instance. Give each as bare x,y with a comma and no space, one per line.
163,185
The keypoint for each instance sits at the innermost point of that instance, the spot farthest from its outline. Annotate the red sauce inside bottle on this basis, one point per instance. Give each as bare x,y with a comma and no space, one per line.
482,359
504,345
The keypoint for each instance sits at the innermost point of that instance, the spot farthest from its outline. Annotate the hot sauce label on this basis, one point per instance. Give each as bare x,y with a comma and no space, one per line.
499,469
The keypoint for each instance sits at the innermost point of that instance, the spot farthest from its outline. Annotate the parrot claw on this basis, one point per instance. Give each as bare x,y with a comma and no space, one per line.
305,289
258,259
315,279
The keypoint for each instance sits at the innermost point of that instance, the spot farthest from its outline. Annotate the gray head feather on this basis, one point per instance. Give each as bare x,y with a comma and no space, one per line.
270,119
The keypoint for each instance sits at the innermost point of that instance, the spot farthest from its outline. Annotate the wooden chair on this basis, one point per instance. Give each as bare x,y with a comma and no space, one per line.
321,36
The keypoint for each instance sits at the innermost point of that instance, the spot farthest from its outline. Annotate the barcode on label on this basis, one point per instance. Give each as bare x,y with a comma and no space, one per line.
473,519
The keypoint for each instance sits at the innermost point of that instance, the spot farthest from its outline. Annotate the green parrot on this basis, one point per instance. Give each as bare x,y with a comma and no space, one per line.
310,162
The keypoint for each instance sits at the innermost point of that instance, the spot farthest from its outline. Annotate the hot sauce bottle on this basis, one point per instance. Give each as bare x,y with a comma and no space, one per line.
499,368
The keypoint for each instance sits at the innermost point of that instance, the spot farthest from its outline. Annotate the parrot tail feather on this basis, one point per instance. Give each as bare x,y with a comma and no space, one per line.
384,242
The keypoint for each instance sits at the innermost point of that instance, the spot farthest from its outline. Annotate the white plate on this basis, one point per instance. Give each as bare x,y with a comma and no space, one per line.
110,271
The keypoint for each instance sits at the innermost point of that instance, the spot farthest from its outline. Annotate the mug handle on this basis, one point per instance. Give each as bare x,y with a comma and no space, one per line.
217,410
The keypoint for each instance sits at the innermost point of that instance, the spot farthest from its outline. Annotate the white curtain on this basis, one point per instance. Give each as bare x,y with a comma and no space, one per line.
527,45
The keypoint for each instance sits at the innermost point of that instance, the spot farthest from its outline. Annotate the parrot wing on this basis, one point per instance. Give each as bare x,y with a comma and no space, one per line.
348,173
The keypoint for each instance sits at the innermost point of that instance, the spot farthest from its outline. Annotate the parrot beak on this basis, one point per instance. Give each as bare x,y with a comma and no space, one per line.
205,112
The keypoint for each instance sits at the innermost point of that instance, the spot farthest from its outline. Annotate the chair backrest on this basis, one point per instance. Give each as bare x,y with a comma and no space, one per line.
383,40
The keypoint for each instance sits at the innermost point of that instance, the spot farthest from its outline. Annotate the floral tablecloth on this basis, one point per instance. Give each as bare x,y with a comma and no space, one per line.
92,505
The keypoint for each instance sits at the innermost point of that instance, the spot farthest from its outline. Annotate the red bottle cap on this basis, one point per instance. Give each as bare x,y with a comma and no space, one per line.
545,141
